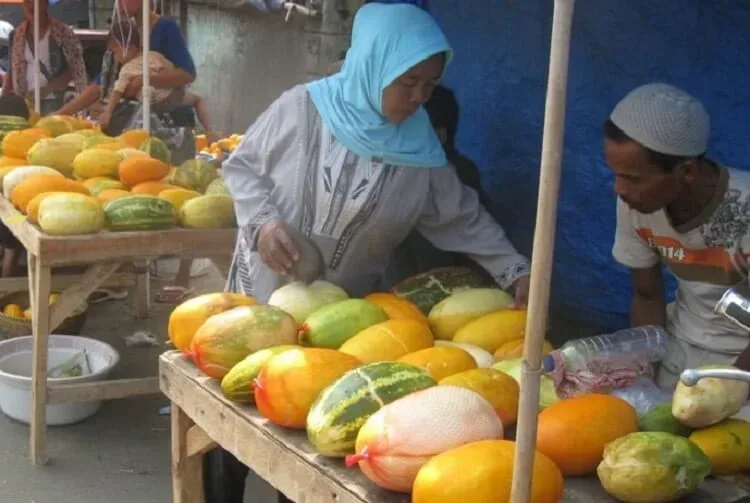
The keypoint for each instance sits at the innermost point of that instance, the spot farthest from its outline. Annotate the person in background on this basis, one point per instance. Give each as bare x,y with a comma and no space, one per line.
60,59
125,45
352,162
416,254
174,127
677,207
15,106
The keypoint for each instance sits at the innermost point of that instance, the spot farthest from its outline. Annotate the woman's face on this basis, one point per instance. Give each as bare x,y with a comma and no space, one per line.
28,9
403,97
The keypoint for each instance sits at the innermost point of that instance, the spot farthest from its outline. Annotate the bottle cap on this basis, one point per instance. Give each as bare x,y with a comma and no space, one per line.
548,363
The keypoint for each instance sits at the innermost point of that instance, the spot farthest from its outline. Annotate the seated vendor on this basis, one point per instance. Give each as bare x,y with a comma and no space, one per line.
416,254
677,207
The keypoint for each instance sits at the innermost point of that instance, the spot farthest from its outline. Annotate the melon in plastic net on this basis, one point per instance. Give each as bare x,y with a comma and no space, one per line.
397,440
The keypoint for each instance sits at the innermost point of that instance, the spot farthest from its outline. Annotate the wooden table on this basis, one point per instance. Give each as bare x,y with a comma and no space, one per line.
103,254
202,419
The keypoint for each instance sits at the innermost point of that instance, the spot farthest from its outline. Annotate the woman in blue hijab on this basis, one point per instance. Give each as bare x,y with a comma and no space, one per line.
352,163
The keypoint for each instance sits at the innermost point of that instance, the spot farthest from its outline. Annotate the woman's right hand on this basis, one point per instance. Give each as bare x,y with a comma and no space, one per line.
276,248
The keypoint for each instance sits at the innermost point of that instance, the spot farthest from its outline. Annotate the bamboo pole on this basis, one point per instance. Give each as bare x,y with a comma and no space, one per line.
37,86
146,44
544,244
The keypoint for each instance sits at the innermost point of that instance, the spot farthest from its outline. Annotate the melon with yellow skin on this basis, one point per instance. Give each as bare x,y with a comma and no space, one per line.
441,362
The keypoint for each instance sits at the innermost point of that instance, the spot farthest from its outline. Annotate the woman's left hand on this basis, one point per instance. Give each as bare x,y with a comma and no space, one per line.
521,292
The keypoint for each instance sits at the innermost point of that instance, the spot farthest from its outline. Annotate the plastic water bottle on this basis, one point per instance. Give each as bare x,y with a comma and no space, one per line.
647,344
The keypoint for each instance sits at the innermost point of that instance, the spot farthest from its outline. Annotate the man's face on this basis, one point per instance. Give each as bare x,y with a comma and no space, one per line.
642,185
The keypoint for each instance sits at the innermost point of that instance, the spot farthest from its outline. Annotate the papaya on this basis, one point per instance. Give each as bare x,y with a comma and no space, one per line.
727,446
237,385
388,341
187,318
289,383
334,324
227,338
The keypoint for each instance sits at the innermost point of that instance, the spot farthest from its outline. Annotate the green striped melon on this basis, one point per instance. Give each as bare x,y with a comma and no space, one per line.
428,289
218,188
139,213
12,123
341,409
157,149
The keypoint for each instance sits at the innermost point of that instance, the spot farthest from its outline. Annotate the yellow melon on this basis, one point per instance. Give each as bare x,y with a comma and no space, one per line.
458,310
493,330
441,362
514,349
388,341
481,472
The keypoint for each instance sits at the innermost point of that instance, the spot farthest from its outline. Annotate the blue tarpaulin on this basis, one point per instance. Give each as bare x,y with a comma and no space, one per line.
500,75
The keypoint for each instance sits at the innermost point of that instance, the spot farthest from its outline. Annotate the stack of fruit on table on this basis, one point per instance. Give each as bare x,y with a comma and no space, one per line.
418,388
70,180
219,149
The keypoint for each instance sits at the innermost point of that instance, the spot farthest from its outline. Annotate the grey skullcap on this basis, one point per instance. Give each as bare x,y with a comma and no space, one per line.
665,119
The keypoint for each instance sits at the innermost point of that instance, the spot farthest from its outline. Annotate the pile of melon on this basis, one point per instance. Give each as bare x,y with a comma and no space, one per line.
218,149
377,381
71,179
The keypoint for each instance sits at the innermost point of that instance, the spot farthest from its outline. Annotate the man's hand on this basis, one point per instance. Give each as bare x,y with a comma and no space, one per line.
276,248
743,361
521,292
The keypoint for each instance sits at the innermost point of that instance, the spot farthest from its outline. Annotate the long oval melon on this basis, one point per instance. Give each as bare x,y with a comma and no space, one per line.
140,212
341,409
226,339
459,309
237,385
334,324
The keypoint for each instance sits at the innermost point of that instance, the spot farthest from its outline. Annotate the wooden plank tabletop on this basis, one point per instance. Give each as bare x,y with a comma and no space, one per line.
285,460
116,246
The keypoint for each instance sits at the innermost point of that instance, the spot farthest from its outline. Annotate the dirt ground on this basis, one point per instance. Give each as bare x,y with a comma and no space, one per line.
121,455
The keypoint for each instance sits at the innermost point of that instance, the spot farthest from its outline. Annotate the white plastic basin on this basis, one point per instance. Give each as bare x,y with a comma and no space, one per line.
15,376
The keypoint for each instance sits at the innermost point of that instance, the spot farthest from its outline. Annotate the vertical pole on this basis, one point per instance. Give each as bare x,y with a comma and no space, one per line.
146,44
37,87
544,244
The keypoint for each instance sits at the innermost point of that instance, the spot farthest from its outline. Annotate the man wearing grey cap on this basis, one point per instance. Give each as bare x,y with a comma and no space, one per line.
677,207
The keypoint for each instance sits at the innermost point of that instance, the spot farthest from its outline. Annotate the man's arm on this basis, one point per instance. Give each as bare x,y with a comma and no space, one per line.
649,305
743,361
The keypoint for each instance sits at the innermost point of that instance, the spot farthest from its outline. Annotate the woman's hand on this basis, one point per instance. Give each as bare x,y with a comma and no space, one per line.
521,292
276,248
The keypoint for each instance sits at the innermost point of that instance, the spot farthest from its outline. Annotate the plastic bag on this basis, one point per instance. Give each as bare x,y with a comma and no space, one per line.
643,395
76,366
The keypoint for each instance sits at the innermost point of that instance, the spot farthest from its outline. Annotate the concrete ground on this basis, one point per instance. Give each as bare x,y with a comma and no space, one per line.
121,455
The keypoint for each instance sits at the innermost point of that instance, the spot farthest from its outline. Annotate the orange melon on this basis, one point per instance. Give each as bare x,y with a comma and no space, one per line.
188,317
441,362
397,308
514,349
486,473
397,440
151,188
291,381
388,341
136,170
498,388
108,195
34,185
573,432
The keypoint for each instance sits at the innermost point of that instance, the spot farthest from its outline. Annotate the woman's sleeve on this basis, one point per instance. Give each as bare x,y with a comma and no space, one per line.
269,144
175,47
453,220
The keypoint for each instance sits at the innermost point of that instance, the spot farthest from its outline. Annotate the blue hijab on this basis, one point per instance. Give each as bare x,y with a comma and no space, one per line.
387,40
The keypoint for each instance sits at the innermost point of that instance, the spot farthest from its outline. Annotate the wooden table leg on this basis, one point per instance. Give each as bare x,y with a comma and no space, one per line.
40,279
142,289
189,444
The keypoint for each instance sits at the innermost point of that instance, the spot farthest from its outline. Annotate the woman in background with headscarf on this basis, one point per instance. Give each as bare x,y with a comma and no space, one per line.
352,162
60,59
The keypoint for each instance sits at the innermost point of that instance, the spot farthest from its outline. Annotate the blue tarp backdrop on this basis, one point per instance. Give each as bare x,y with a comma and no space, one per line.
500,75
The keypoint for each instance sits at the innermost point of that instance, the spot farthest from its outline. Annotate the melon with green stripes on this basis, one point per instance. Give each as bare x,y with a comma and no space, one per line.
341,409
